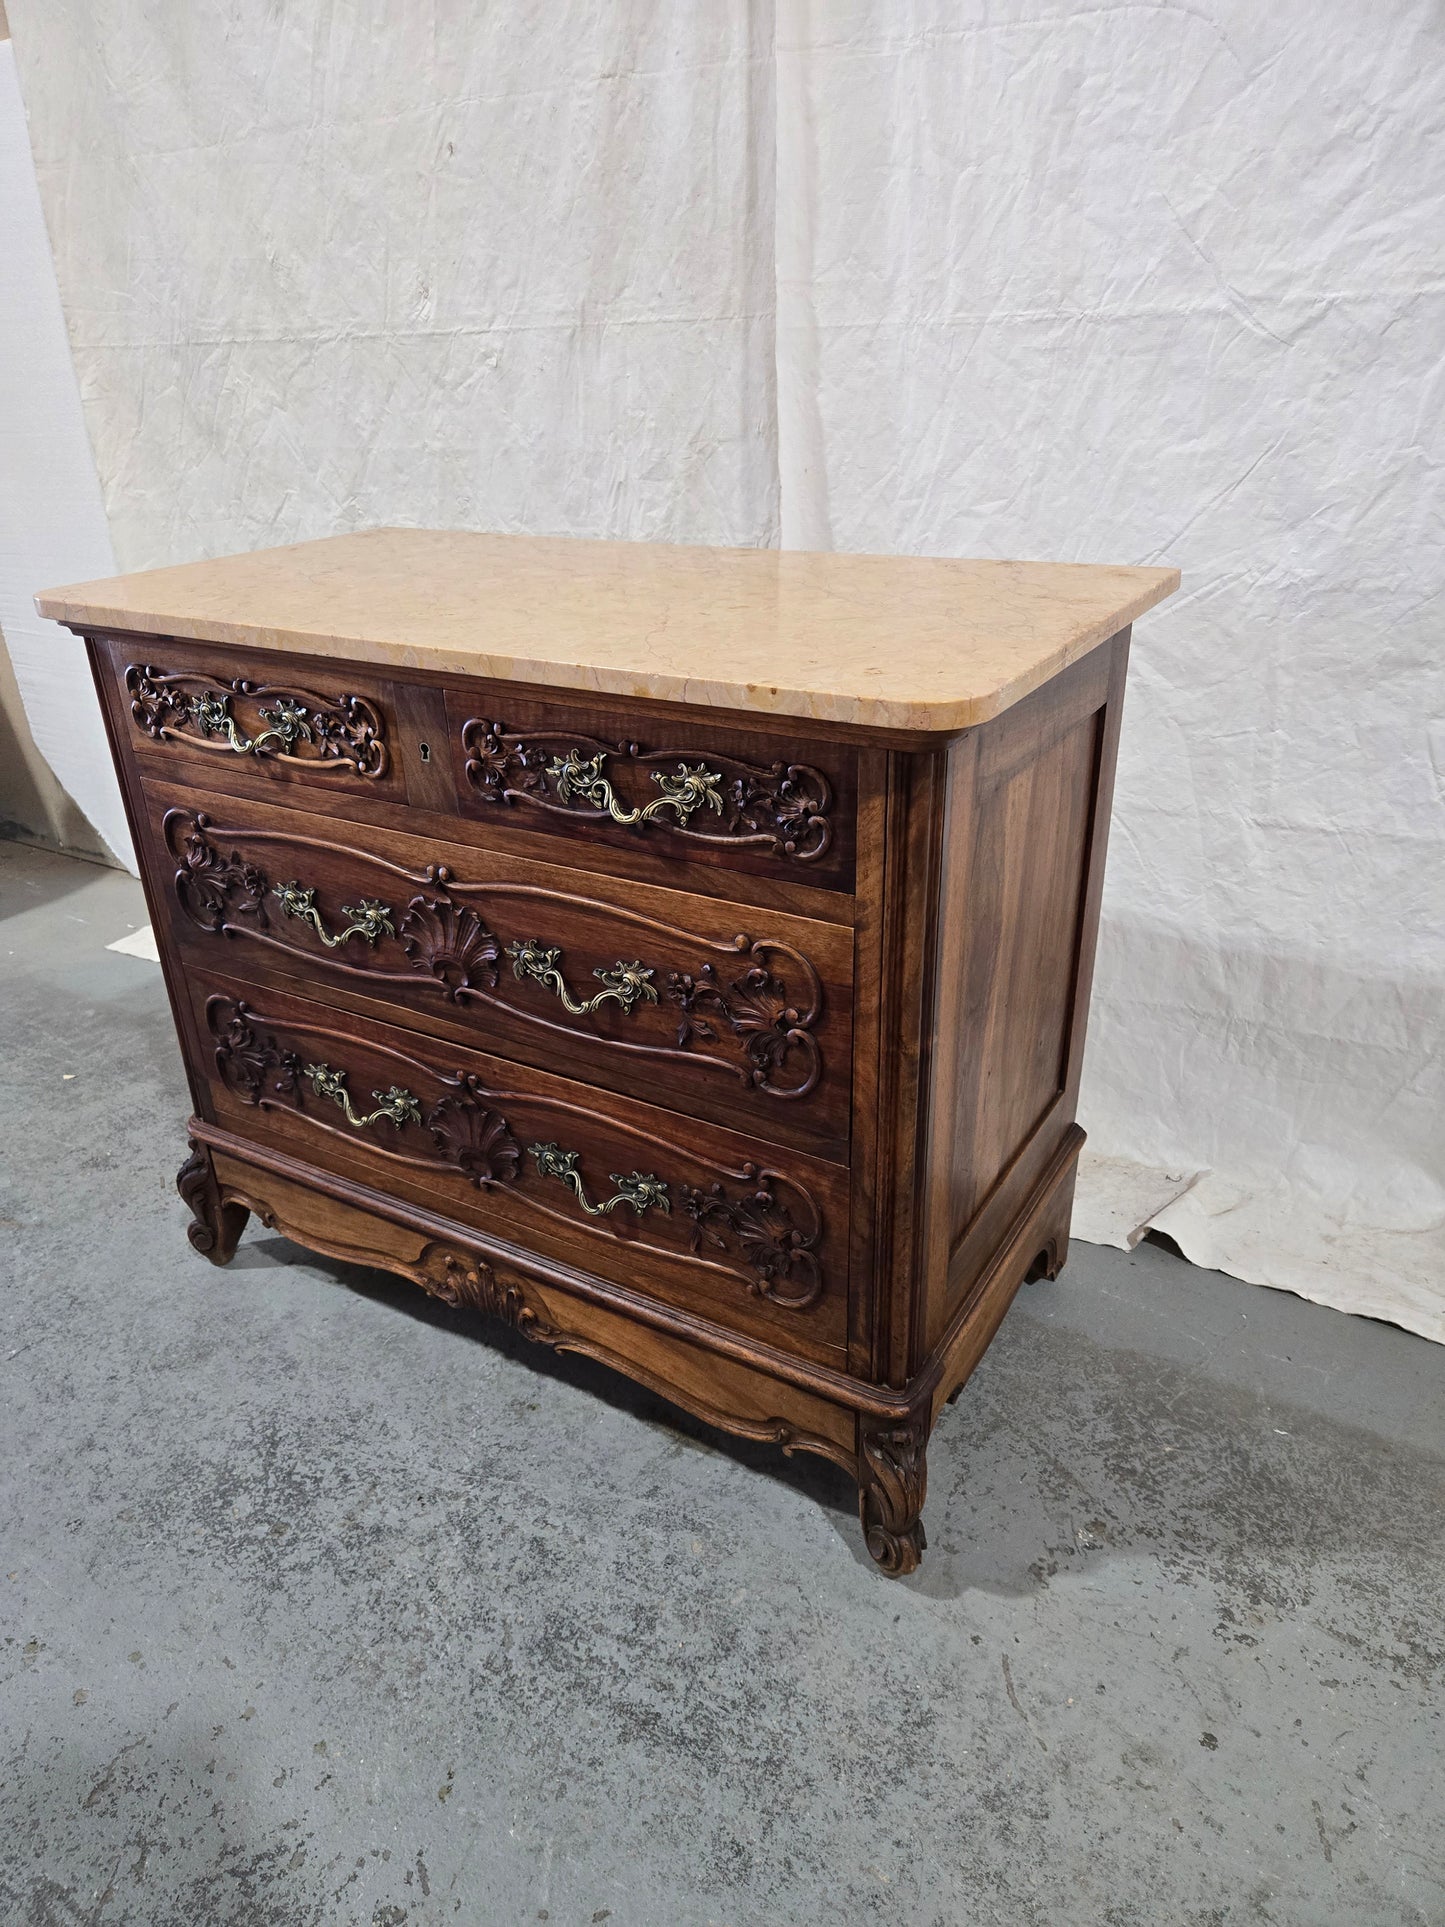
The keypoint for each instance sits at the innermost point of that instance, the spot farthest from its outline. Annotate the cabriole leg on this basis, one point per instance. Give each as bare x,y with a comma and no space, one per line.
218,1227
892,1481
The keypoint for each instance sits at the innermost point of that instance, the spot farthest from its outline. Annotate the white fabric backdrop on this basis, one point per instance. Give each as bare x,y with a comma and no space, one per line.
52,520
1038,277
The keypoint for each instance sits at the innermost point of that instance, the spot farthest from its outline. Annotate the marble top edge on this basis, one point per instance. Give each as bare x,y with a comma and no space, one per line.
922,643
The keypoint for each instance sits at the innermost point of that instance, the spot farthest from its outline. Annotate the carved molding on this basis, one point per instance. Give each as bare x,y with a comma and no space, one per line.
892,1483
764,1228
780,808
265,720
758,1024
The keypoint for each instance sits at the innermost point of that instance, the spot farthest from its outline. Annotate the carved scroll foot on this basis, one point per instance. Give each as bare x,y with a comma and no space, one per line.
892,1481
218,1227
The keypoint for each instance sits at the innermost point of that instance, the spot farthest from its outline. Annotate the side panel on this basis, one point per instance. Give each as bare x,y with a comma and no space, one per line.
1024,844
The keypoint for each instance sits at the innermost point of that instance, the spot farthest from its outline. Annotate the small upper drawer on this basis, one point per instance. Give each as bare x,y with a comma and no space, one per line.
699,792
325,726
631,792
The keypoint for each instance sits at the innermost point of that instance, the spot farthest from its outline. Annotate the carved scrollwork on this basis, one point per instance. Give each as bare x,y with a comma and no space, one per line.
774,1029
292,725
213,887
782,808
216,1224
779,1246
892,1483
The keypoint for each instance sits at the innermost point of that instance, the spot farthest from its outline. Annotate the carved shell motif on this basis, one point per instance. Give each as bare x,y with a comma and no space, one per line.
475,1138
450,941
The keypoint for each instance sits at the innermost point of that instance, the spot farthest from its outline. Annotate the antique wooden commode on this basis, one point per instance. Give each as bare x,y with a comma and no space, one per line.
681,954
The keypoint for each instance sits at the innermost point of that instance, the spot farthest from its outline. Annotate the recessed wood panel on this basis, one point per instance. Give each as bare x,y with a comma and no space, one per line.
1028,890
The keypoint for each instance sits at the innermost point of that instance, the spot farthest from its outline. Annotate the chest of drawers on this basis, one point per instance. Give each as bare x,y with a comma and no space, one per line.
681,955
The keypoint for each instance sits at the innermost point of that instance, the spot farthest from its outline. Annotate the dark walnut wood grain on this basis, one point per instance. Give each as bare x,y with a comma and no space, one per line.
752,1235
750,1025
737,805
797,1186
708,795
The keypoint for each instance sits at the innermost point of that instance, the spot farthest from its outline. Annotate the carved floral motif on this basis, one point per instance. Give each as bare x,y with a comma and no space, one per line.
775,1032
213,887
344,731
783,807
779,1249
256,1067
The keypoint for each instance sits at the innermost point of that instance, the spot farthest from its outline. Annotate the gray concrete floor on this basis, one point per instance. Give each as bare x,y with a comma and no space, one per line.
321,1605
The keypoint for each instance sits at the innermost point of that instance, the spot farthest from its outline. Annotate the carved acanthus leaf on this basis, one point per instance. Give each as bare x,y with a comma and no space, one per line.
892,1484
759,1227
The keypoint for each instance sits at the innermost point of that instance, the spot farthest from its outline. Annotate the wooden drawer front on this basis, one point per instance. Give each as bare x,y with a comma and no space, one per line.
693,791
755,1239
257,720
727,1011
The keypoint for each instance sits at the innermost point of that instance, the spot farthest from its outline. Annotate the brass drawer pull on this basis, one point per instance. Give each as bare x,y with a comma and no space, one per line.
290,723
397,1106
637,1189
626,984
369,919
579,775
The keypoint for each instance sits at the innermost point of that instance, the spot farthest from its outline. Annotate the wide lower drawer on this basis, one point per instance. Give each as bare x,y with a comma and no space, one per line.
753,1237
732,1012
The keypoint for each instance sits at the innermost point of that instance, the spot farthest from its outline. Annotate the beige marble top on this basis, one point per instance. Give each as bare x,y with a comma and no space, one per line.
887,641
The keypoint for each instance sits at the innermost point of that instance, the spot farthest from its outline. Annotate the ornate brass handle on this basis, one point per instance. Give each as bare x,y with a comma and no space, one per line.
579,775
369,919
397,1106
290,723
638,1189
626,984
